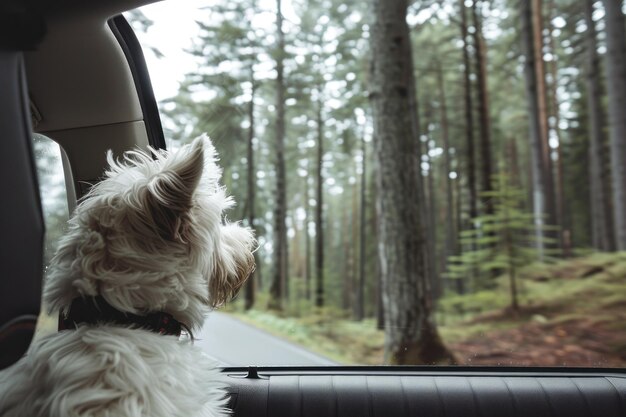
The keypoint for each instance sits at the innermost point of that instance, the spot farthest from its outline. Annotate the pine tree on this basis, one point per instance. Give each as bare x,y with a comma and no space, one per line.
483,107
505,239
278,288
411,335
601,219
540,190
616,78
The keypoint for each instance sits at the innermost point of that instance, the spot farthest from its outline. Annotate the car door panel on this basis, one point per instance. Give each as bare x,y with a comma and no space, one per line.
434,394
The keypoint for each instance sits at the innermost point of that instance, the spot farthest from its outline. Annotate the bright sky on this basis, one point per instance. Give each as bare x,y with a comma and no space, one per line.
173,30
174,27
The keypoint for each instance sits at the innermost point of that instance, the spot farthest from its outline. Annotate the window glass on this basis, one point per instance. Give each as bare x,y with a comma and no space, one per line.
451,191
53,193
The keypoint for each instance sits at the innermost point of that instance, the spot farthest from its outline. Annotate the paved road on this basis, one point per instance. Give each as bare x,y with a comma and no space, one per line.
235,343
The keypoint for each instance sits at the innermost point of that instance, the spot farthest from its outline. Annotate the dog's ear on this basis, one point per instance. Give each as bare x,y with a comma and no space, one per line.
169,194
233,263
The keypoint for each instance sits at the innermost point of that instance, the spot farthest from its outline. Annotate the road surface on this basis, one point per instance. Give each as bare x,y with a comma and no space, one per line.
235,343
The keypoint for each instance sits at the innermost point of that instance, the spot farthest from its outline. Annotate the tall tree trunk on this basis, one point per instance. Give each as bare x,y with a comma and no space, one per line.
601,219
483,109
344,247
374,226
469,117
250,284
376,295
360,296
410,332
354,236
428,228
380,308
277,289
319,210
616,78
558,195
459,283
542,109
307,241
513,163
537,166
469,134
434,286
430,200
296,260
450,244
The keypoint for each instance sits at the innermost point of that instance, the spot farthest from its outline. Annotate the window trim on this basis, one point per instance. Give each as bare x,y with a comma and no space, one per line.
131,47
260,372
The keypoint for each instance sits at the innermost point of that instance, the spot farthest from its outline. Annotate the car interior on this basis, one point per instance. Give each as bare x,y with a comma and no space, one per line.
82,82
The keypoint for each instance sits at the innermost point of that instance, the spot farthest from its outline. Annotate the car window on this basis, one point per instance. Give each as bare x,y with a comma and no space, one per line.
447,195
53,193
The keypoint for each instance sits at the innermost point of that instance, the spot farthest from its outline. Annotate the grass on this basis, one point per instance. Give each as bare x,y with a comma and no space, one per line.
321,332
575,297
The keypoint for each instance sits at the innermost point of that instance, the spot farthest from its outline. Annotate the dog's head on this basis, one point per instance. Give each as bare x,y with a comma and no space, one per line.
151,237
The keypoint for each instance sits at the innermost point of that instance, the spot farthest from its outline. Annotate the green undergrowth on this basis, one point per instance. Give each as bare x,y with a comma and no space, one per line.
590,288
339,339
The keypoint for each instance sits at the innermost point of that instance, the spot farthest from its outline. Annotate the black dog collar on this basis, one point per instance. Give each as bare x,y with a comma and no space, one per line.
94,310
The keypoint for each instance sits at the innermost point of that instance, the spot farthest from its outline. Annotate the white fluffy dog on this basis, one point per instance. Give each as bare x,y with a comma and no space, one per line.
146,253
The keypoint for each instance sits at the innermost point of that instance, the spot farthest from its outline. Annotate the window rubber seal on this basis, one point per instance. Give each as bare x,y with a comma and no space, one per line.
131,47
256,372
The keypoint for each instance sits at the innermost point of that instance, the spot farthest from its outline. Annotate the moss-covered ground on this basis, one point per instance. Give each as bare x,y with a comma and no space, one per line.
573,312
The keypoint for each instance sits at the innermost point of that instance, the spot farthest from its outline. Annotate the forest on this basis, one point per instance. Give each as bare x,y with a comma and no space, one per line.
429,181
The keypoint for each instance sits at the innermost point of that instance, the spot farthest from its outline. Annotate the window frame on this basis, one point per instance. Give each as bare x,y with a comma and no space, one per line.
133,52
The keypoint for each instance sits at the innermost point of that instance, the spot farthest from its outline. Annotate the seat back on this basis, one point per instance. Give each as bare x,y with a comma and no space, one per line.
21,220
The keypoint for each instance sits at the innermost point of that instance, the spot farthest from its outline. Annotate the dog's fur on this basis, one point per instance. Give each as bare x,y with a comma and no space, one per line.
150,237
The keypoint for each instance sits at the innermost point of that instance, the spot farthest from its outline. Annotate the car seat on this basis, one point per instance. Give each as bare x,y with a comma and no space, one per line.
21,220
